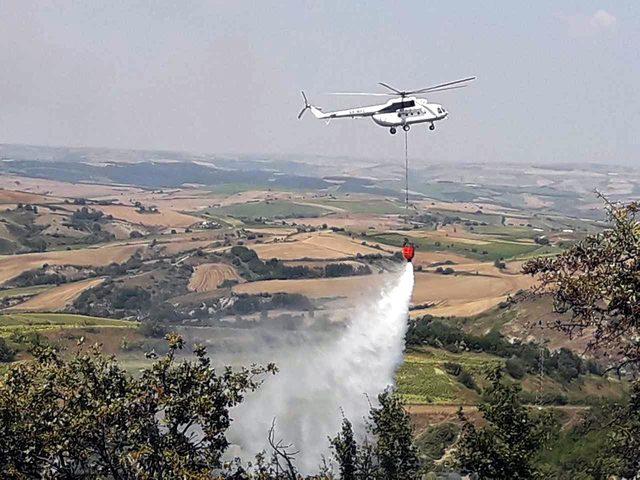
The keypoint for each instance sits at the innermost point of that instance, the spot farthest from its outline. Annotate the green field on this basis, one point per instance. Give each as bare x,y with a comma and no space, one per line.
269,209
23,291
37,322
365,206
423,379
490,251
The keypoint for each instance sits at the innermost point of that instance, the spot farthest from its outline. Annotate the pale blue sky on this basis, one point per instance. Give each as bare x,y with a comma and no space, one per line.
557,81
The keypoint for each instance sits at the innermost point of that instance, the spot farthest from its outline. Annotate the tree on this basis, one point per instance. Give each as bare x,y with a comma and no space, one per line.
515,368
596,282
345,451
624,445
391,426
391,456
506,446
87,418
6,352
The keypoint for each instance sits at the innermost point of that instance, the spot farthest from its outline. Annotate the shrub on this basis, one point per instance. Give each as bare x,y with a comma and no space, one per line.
515,368
6,353
466,379
453,368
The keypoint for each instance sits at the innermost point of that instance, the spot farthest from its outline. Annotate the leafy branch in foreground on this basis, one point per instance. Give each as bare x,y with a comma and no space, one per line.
597,282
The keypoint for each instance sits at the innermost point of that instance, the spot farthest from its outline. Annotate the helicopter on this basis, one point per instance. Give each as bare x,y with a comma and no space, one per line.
404,110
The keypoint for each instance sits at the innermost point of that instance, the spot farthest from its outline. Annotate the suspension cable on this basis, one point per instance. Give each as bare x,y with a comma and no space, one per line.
406,176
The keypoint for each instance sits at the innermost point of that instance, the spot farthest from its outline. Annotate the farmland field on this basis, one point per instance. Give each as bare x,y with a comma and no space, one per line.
19,322
487,249
364,206
321,245
23,291
164,218
269,209
12,265
472,228
57,298
422,377
209,276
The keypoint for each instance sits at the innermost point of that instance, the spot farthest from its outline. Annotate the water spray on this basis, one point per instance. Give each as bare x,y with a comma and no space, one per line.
317,382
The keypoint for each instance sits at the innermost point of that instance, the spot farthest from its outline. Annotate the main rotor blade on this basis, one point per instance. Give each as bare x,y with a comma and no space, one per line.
363,93
447,88
435,87
390,88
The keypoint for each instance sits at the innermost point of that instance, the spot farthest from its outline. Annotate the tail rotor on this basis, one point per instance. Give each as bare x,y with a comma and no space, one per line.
306,106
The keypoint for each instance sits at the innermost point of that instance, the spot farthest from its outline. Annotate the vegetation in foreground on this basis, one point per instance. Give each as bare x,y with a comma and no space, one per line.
88,418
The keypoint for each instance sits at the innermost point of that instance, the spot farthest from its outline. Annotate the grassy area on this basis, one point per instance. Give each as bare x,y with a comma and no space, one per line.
422,377
361,206
230,188
489,251
507,232
492,219
23,291
269,209
34,322
450,192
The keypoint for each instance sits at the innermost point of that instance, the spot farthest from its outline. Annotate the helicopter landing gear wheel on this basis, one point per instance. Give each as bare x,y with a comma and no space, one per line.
432,127
406,127
393,131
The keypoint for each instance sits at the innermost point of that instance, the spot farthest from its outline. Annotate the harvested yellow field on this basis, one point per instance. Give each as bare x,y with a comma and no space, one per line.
12,197
255,196
275,231
451,295
13,265
429,258
320,246
444,234
173,248
210,276
64,189
356,222
462,207
164,218
342,287
464,295
57,298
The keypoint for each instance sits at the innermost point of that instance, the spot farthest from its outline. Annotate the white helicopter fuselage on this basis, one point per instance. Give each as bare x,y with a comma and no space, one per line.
394,113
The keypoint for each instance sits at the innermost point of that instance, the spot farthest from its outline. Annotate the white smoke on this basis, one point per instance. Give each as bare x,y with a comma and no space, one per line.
318,381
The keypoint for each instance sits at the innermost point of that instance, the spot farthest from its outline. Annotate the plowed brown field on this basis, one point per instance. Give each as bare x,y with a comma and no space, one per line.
209,276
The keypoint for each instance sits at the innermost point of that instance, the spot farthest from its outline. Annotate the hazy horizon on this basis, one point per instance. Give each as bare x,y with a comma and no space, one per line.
556,84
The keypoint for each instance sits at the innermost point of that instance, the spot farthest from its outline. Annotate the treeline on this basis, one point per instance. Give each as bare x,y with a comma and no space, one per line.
245,304
251,267
522,358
